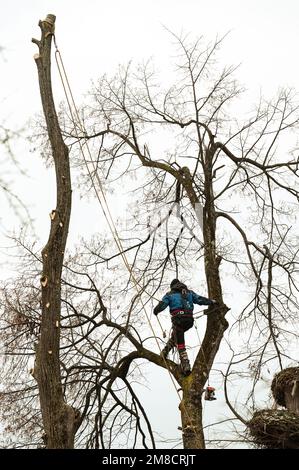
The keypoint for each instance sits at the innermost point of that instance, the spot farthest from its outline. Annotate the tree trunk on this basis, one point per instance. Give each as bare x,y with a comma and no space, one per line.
191,415
59,419
193,386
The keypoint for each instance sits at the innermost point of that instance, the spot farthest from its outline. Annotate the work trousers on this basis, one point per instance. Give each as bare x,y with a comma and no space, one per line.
180,324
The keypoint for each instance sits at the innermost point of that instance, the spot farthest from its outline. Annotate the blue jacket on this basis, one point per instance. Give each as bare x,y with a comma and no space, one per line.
178,302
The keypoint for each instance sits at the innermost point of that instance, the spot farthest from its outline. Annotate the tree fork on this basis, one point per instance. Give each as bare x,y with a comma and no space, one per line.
60,420
193,386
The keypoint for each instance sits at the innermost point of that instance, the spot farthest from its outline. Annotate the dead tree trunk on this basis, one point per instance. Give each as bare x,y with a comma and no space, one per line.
59,419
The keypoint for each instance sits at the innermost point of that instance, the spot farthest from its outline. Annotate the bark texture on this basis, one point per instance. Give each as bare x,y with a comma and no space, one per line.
59,419
193,386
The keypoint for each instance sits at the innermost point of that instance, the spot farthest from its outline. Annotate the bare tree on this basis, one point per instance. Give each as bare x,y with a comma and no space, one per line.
214,159
71,363
231,183
59,419
94,357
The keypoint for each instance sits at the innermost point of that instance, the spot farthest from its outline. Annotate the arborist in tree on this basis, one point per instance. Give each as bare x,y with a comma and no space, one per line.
180,301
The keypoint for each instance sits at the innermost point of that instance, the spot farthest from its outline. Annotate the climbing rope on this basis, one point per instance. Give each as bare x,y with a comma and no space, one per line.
103,200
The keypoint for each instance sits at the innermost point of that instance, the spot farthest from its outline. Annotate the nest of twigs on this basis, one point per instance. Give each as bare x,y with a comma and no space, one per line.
282,381
275,429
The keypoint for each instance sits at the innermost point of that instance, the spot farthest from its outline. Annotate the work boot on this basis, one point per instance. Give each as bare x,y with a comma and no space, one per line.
168,347
185,364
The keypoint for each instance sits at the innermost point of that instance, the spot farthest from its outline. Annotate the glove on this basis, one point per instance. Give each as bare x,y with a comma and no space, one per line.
211,306
155,313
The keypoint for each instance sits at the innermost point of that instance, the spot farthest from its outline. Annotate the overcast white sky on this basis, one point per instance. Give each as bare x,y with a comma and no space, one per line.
95,36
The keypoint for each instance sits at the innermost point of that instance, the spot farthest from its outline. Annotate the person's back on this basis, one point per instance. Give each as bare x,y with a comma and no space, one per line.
180,301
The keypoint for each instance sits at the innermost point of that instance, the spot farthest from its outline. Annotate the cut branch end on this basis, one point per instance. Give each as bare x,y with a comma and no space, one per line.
44,281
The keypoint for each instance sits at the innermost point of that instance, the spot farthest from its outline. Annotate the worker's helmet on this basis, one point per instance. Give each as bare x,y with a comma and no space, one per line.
174,282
